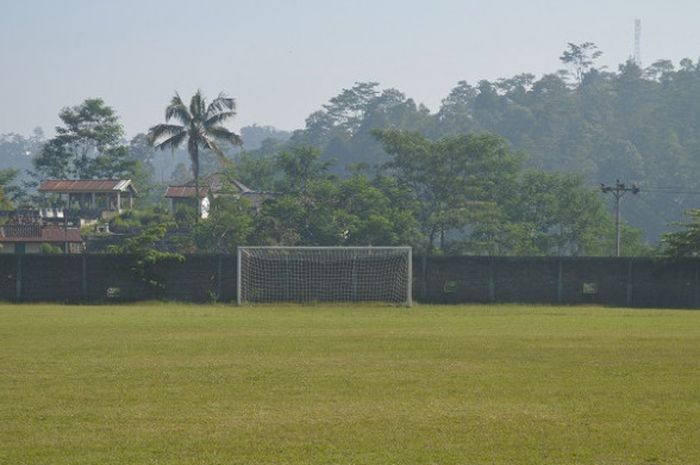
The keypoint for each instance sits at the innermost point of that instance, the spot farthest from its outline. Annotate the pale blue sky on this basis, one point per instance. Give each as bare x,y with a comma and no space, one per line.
282,60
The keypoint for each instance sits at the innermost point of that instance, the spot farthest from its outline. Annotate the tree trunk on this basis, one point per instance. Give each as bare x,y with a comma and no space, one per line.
195,171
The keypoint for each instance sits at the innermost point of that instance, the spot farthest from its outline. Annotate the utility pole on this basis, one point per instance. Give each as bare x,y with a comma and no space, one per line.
618,191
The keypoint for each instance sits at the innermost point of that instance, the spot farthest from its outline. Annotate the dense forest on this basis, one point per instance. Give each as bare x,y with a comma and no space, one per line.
511,166
637,125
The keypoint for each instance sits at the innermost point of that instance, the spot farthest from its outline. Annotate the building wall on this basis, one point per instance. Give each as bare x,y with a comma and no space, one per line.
8,248
35,247
32,247
29,247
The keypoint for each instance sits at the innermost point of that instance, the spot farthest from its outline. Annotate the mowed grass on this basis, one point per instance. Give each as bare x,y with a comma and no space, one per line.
186,384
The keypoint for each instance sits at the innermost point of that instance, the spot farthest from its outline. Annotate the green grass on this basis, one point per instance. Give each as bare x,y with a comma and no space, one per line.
180,384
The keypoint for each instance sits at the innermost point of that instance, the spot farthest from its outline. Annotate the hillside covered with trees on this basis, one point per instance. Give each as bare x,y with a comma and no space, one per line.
637,125
505,167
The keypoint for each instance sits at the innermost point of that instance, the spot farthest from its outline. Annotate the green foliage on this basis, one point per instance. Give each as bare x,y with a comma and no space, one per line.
141,156
467,190
376,211
145,254
492,232
200,128
49,249
308,219
300,166
629,125
7,177
316,208
472,196
561,216
686,241
134,220
91,230
181,174
87,145
465,194
450,178
113,163
124,223
186,216
147,233
229,225
262,137
258,172
638,125
342,129
580,57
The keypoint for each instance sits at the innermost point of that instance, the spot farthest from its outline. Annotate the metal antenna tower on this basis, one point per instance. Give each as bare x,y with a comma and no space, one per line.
637,42
618,191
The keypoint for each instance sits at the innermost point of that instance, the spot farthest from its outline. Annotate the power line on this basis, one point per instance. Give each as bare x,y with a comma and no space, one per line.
669,190
661,190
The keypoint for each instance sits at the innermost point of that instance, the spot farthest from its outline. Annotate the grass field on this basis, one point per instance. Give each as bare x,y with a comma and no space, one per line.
181,384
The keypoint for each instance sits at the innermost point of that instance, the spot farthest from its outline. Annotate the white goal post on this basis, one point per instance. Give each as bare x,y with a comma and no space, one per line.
325,274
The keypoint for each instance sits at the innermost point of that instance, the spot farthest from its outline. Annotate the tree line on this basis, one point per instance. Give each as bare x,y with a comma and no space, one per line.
502,168
635,124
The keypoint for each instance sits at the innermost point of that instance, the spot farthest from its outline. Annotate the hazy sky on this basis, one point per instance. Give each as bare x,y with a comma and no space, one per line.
282,60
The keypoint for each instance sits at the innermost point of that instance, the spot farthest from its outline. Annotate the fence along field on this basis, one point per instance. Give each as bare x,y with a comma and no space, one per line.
632,282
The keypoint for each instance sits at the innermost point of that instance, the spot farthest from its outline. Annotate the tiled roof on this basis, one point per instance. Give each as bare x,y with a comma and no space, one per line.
86,185
185,192
215,182
36,233
242,187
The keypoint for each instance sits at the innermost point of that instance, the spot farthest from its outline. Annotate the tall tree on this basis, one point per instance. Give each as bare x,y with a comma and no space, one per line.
342,129
580,57
255,137
88,144
561,215
316,208
451,178
256,172
6,177
686,241
200,128
300,166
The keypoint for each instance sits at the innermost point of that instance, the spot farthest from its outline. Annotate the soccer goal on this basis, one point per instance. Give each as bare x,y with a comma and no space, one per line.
325,274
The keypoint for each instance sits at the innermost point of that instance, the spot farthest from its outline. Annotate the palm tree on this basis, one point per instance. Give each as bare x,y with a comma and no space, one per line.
200,125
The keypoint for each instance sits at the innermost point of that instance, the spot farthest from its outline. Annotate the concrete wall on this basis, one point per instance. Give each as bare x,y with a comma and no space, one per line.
29,247
634,282
8,248
35,247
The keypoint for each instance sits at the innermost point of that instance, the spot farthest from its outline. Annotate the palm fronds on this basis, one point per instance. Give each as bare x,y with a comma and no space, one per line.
201,127
178,110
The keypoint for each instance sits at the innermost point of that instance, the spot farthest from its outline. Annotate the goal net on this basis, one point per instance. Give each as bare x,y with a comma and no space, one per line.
324,274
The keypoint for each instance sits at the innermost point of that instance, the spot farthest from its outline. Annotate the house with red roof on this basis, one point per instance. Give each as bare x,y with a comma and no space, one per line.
211,187
96,198
28,238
